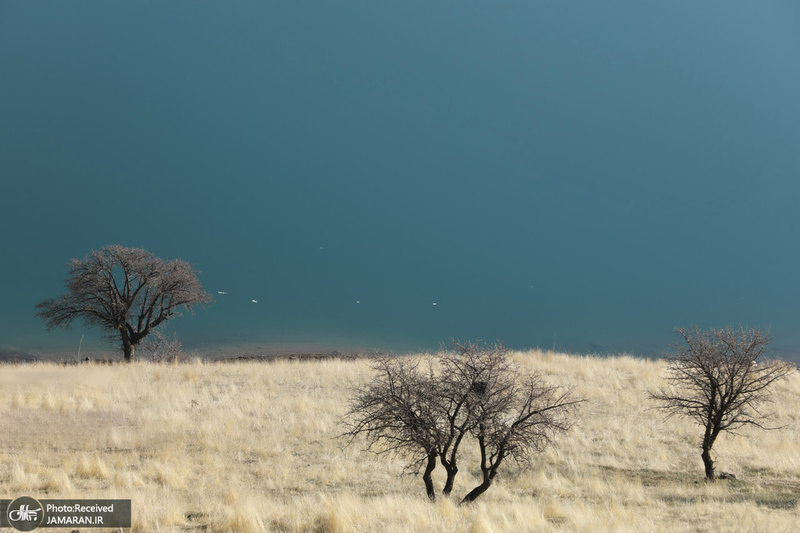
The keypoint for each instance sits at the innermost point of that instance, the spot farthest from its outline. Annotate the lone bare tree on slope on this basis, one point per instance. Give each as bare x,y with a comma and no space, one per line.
716,381
128,291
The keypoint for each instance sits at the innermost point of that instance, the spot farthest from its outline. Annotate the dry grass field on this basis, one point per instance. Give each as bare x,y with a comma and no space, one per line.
252,447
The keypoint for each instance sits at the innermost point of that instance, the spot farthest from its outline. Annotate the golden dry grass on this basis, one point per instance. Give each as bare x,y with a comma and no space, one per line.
252,447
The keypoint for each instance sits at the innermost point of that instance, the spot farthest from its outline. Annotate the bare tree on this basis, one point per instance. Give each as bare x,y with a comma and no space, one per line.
469,373
469,390
396,413
128,291
513,413
716,380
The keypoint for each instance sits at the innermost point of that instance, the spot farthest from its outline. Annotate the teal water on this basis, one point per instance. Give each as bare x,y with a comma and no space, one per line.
585,175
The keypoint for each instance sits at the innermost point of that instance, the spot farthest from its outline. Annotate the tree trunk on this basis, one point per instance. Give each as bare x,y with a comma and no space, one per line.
477,491
128,343
128,351
710,436
426,476
489,470
452,470
709,464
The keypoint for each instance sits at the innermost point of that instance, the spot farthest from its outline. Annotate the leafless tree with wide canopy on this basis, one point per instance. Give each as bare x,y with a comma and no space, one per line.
127,291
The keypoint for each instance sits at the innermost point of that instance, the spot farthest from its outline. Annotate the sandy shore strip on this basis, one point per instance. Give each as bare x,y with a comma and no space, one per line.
239,351
285,350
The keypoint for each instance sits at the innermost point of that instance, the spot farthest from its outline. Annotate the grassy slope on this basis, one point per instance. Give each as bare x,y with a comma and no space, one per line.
251,447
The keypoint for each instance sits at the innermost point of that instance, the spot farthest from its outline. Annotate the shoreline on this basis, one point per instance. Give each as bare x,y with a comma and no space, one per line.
229,352
268,351
254,350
